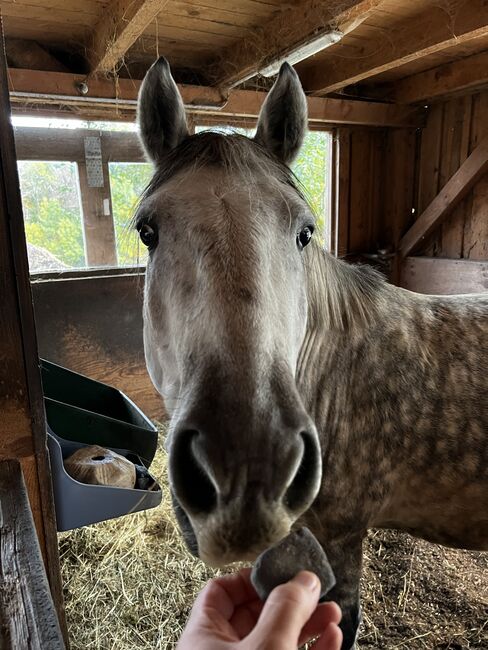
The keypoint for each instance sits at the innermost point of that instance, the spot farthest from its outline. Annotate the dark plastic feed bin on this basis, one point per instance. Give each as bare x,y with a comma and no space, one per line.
82,412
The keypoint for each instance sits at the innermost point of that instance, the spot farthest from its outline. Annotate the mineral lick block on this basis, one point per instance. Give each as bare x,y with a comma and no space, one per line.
298,551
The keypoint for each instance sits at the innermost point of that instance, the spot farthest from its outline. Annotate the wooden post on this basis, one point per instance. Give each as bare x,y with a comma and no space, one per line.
23,423
98,223
343,179
30,620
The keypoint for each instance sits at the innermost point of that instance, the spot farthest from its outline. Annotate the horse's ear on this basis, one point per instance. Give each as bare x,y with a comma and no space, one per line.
161,113
282,122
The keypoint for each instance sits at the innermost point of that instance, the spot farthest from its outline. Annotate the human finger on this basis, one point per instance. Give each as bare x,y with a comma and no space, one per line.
325,614
330,639
286,611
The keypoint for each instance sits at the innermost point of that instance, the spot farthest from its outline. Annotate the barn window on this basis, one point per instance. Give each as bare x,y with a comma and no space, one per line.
80,182
313,168
127,181
52,215
80,187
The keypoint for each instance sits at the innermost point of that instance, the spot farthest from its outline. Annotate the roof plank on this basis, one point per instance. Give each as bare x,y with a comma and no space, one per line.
467,74
291,28
432,31
118,29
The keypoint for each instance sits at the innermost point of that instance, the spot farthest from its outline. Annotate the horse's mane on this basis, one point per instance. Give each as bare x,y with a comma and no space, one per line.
340,295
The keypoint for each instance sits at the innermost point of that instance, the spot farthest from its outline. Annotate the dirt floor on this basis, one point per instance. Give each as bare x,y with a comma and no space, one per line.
129,584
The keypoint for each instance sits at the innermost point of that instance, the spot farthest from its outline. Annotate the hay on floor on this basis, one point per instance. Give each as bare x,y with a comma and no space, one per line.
130,583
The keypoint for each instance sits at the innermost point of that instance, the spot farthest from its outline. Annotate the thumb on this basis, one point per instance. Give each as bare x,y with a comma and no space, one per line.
286,611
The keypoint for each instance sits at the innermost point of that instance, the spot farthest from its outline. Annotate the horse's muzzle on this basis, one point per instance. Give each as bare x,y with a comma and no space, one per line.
239,501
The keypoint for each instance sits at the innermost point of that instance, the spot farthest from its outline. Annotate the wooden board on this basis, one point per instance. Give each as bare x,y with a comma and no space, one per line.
458,186
475,234
295,26
98,222
23,426
27,614
92,324
454,128
119,27
34,143
397,42
343,191
435,275
199,100
461,76
374,193
397,191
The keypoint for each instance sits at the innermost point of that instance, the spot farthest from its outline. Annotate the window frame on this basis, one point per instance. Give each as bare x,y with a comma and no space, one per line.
68,145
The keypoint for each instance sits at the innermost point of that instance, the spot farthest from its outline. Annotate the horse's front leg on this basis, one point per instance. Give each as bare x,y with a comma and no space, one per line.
345,557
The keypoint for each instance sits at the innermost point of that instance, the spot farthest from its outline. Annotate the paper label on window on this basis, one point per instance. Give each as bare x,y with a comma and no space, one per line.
93,160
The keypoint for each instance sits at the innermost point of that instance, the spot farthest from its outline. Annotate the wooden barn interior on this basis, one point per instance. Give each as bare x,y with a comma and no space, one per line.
401,86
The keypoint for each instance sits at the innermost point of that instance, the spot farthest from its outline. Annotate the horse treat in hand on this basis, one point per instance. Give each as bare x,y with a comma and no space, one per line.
99,466
298,551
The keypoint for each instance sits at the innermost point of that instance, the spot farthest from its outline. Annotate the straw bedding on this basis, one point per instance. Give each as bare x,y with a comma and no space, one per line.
130,583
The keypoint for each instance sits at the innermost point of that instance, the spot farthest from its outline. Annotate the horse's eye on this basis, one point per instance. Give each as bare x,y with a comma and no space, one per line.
304,236
148,235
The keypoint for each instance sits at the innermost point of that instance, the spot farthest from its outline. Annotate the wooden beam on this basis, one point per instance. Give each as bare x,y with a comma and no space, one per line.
468,74
290,29
456,188
430,32
98,222
27,615
437,275
33,143
51,89
23,423
22,53
121,24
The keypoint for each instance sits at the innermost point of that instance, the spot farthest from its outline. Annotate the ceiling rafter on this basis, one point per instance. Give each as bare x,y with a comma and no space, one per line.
117,30
50,88
467,74
294,27
433,31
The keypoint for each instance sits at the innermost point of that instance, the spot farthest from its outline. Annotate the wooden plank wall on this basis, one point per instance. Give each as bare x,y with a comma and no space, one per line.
93,325
437,275
387,177
453,130
22,423
376,187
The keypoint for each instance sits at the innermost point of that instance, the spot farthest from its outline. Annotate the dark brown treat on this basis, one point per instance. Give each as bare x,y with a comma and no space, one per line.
298,551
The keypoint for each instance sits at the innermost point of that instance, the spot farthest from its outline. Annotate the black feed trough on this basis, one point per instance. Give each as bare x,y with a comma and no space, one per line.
82,412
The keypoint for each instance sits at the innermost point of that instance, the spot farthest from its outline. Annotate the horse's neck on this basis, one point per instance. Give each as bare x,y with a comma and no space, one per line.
342,297
353,313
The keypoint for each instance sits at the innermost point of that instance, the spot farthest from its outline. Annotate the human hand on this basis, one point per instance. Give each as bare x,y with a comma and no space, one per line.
228,615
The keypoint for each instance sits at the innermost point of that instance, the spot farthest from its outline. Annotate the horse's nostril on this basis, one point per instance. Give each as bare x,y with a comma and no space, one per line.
191,482
305,482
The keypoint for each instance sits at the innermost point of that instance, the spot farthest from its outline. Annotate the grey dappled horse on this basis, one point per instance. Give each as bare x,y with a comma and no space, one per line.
302,390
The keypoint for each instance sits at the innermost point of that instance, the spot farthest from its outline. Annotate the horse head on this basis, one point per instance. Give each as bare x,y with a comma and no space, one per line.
225,316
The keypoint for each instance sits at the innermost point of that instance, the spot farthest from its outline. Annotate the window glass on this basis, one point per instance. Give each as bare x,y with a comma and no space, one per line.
127,182
52,215
312,168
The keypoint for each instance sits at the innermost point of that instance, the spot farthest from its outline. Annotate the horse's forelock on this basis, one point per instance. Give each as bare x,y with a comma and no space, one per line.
235,153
